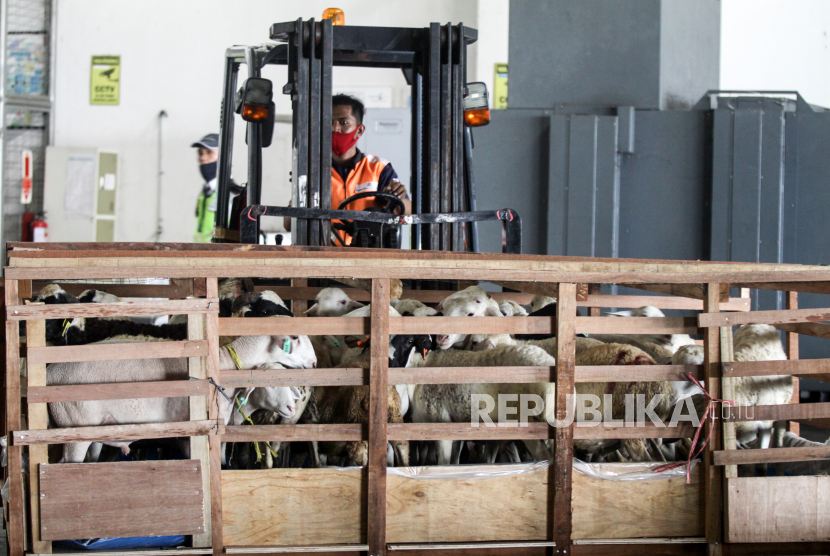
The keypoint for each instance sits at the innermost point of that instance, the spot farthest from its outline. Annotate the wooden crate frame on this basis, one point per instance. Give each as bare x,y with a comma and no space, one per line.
196,268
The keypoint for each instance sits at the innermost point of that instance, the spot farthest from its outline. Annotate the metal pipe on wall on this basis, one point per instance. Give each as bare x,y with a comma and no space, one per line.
161,117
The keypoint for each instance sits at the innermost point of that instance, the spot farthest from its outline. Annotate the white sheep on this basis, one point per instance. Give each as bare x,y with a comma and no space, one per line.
438,403
332,302
593,352
756,342
471,302
253,351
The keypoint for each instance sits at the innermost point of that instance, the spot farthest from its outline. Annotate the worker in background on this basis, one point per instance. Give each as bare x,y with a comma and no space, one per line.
352,171
206,205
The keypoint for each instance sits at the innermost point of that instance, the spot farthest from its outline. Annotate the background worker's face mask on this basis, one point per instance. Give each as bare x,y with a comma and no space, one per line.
208,170
342,142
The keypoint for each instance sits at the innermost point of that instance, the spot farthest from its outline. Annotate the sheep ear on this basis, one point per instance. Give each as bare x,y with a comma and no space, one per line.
625,313
313,309
355,305
440,307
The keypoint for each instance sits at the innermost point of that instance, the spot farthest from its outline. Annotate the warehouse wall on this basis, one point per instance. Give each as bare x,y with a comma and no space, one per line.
172,60
777,45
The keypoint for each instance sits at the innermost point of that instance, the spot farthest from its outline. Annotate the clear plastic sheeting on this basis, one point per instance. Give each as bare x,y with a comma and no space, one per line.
468,472
631,471
603,471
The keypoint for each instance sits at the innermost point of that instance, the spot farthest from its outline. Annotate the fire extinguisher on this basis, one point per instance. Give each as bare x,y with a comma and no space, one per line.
40,229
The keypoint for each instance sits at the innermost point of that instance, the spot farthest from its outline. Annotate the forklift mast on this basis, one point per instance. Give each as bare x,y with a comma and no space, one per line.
434,62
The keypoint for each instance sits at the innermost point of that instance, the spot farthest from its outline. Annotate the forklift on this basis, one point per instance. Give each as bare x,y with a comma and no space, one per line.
444,110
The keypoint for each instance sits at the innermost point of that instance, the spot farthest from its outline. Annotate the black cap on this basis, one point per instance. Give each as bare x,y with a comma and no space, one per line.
209,141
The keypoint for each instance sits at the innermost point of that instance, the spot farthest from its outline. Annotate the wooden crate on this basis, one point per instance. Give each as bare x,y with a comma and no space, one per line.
371,510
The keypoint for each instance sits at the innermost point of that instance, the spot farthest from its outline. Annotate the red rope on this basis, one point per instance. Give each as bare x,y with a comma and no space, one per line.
692,454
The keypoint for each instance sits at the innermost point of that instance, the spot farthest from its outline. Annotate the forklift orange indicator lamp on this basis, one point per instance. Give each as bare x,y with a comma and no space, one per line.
256,96
476,106
336,16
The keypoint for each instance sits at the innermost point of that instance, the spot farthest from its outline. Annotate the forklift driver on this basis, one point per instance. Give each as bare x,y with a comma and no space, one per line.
352,171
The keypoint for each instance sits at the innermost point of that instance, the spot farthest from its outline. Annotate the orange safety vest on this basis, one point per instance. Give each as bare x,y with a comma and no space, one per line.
364,177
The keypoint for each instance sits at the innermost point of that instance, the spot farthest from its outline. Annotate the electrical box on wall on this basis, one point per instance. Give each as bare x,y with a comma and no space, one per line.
80,188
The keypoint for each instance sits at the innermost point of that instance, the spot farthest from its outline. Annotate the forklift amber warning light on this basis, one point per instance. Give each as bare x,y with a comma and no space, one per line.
254,113
476,107
336,16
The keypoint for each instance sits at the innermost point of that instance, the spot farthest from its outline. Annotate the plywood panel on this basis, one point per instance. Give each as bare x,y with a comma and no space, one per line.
284,507
778,509
633,509
459,510
129,499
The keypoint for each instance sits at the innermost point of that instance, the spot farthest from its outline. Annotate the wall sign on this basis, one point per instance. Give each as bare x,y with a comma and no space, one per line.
105,75
500,87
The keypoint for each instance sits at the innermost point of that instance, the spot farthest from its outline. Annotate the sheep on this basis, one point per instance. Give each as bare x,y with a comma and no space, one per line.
53,294
252,350
332,302
540,301
547,308
259,304
755,342
350,404
593,352
412,308
471,302
510,308
817,467
434,403
229,290
85,331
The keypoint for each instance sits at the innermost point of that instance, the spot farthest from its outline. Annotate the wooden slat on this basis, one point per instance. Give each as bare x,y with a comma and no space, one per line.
816,329
313,326
713,498
117,391
295,377
783,412
471,375
38,419
603,430
706,320
112,432
661,302
791,341
802,367
16,535
541,288
416,270
471,325
120,309
323,549
635,373
562,524
294,433
118,351
639,325
742,457
378,411
805,287
214,442
443,431
693,291
199,450
171,291
127,499
728,391
767,509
